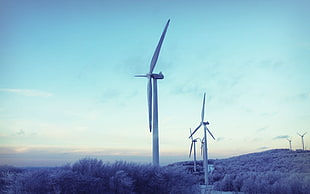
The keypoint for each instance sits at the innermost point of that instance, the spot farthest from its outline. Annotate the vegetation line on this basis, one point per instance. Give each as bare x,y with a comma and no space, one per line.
273,171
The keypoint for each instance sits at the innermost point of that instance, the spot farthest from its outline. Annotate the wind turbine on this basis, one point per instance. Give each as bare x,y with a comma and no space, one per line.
154,116
205,156
193,145
302,140
290,142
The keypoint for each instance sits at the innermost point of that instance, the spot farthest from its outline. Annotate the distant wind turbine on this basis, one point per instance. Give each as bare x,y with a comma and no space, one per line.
193,145
154,116
205,155
302,140
290,142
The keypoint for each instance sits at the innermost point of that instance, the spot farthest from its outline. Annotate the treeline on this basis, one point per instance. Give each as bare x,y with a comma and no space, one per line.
273,171
94,176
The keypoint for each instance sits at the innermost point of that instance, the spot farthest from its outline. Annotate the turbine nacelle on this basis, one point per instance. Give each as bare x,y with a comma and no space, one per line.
206,123
157,76
152,75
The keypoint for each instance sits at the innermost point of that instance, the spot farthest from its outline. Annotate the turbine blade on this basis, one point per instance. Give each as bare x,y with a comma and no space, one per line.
210,132
140,75
190,151
156,53
190,133
149,101
203,107
195,130
304,134
299,134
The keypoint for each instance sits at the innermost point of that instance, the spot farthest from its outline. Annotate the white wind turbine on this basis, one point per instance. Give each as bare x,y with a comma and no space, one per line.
302,140
205,155
193,145
154,116
290,142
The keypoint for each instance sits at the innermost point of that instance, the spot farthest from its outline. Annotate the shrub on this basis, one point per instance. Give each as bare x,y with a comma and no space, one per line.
7,177
92,176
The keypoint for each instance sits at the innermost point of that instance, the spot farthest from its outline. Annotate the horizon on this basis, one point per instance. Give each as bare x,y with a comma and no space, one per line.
61,159
67,82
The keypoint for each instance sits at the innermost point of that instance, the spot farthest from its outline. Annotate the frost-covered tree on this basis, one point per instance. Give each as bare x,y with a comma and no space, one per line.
94,176
274,171
121,183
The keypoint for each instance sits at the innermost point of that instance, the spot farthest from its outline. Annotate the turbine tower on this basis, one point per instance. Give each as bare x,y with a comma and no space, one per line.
153,117
302,140
193,145
205,155
202,146
290,142
202,153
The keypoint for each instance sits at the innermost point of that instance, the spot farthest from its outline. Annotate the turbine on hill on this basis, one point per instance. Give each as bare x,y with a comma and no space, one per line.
154,116
302,140
205,155
290,142
193,145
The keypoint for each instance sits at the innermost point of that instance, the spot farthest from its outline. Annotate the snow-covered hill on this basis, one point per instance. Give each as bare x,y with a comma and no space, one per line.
272,171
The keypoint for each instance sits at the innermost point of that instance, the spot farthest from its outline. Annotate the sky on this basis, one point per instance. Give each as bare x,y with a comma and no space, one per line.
68,91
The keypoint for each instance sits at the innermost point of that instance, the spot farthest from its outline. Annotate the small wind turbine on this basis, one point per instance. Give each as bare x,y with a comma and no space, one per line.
302,140
290,142
193,145
154,116
205,156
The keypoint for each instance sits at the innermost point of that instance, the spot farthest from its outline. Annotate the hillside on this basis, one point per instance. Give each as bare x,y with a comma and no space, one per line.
272,171
280,160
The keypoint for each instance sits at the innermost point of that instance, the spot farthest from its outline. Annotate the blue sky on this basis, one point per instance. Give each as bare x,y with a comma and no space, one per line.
67,85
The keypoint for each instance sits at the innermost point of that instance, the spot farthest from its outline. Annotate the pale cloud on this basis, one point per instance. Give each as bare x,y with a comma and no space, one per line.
261,129
304,96
110,94
263,148
26,92
20,132
220,139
